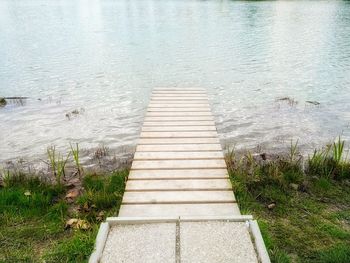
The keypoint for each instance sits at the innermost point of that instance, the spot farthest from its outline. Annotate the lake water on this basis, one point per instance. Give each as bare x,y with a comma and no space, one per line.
103,58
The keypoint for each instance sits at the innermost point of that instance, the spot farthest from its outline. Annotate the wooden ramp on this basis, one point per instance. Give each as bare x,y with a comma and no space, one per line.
178,205
179,167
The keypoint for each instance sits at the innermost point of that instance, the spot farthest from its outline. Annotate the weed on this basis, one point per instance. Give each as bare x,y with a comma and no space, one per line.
3,102
57,162
101,151
307,223
76,157
33,216
291,101
329,162
293,150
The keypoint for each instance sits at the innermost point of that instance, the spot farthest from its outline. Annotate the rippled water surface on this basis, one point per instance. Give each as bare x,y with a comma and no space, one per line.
103,58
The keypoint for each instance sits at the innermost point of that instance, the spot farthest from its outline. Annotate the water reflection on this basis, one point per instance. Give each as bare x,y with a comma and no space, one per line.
105,57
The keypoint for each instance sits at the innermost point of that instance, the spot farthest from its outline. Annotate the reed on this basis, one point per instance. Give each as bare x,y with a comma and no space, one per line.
76,156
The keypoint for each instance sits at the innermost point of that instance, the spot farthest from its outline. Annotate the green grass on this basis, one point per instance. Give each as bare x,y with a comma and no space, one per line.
310,221
33,215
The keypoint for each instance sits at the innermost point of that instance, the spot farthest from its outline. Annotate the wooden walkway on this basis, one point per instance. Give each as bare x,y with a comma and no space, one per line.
179,167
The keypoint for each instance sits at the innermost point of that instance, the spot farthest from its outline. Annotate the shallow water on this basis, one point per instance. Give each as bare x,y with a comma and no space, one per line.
104,57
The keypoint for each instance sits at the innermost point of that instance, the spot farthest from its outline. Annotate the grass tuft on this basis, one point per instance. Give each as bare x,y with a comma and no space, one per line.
303,214
33,216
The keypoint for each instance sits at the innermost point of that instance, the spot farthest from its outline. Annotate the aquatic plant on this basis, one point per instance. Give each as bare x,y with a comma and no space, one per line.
293,150
3,102
57,163
76,157
101,151
329,162
291,101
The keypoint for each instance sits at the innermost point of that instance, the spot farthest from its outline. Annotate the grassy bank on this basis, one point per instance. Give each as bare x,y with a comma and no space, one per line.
43,222
302,206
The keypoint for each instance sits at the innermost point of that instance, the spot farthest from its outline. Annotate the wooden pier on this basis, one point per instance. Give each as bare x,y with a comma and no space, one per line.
179,167
178,204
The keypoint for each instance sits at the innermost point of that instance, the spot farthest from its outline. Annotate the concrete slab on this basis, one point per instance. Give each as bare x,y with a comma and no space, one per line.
177,174
178,184
141,243
178,155
207,242
160,210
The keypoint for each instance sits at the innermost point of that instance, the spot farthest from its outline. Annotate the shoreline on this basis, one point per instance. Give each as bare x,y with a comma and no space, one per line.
302,205
102,159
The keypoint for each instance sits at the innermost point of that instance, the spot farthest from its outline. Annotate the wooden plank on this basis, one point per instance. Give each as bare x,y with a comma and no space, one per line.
187,95
180,118
179,197
178,174
179,101
179,167
177,114
178,164
161,210
178,123
178,92
180,134
177,105
178,184
178,155
179,140
177,128
162,109
178,147
167,89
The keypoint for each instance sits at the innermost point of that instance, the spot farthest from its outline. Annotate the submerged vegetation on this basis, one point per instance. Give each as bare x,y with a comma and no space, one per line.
302,206
3,102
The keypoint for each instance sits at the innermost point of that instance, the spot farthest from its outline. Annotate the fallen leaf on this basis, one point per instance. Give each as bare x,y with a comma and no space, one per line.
71,222
82,224
72,193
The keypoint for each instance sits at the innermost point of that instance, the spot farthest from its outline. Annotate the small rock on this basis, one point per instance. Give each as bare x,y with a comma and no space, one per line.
271,206
294,186
263,156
